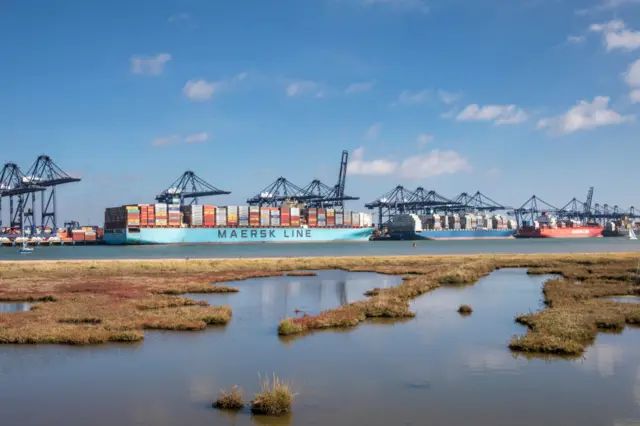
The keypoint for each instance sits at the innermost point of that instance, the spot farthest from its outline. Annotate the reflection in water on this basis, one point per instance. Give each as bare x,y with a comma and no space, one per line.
14,307
417,371
603,358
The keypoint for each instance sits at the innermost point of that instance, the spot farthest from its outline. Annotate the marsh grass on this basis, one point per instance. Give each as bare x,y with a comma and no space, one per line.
274,399
131,296
229,399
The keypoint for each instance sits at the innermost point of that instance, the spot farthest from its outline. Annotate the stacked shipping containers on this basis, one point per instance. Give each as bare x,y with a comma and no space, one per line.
232,216
174,215
347,218
295,216
243,216
209,216
161,215
274,216
254,216
285,216
196,216
265,216
355,219
221,216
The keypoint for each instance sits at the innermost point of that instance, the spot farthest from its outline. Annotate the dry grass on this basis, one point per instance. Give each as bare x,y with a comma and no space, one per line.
274,399
229,400
465,310
98,301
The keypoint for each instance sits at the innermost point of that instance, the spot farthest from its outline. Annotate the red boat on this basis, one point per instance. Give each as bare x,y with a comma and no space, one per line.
547,227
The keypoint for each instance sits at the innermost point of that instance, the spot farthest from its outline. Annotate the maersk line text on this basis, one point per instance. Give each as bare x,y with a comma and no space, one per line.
263,233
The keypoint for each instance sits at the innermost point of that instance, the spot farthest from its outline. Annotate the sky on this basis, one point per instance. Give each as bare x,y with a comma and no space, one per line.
509,97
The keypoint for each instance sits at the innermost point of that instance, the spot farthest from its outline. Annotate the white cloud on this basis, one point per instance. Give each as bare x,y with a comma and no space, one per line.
616,36
606,5
358,166
358,87
575,39
635,96
179,17
585,115
165,140
401,5
198,137
424,139
153,65
499,114
373,132
449,98
633,74
199,90
302,87
409,97
202,90
433,164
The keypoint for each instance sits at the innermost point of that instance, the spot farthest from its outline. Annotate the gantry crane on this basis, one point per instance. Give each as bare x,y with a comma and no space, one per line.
188,187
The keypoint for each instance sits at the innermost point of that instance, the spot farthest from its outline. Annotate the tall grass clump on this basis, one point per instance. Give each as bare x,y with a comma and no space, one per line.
229,400
274,399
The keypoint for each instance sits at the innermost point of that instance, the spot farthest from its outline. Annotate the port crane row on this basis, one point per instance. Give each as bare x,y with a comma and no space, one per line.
401,200
44,176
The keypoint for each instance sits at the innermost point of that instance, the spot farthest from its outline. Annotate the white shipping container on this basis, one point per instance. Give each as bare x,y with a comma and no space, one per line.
254,209
275,221
243,222
233,209
295,211
264,221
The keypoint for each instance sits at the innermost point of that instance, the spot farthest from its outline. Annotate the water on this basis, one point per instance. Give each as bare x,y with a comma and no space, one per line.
381,248
6,307
439,368
625,299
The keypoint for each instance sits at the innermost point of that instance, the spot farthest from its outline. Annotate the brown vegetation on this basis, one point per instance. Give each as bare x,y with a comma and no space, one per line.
274,399
97,301
229,400
465,310
301,274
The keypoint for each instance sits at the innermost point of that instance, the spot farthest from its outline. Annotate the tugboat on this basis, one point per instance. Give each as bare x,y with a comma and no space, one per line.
25,248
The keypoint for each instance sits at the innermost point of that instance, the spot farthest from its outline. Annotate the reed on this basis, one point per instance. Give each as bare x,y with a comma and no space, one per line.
274,399
229,399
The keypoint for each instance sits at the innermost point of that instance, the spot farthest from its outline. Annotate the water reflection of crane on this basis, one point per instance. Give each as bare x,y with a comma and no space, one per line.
341,289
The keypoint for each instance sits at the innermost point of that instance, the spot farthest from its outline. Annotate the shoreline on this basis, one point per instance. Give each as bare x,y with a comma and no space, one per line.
345,257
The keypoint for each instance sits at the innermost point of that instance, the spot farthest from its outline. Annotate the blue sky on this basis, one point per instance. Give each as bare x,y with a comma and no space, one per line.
510,97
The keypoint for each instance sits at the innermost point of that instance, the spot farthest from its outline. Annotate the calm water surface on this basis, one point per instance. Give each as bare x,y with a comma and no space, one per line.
14,307
438,369
588,245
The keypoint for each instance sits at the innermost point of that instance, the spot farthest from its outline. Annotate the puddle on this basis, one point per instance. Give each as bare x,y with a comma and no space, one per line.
6,307
624,299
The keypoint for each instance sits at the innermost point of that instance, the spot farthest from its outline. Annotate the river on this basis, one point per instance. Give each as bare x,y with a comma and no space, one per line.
439,368
379,248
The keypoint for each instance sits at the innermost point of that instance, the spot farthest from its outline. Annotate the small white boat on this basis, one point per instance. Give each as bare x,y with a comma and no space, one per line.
25,248
632,234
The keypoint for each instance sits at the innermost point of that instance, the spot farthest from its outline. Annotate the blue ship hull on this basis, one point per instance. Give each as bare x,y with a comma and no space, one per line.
462,234
236,235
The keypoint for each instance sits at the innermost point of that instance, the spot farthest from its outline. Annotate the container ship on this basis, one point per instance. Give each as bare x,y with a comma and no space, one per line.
450,227
620,228
175,224
546,226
